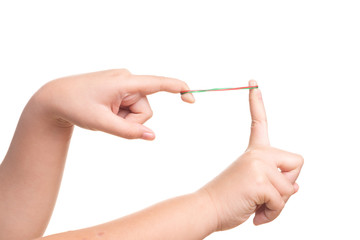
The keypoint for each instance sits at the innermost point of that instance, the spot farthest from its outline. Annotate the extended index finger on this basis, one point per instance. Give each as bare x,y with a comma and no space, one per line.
148,84
259,132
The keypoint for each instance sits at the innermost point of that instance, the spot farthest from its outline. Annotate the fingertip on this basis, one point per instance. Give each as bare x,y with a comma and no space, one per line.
296,187
252,83
188,97
259,219
148,134
254,92
255,222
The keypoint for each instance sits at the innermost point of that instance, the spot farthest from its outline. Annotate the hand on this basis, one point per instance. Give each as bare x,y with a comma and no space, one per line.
260,181
112,101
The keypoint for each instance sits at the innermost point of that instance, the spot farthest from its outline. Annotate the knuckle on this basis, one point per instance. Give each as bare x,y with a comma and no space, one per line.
260,180
180,84
122,72
146,116
289,190
150,113
256,164
300,159
255,123
252,160
183,83
252,153
281,204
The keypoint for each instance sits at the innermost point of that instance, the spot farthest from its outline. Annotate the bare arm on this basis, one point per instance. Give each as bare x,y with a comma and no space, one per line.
252,184
115,102
187,217
31,173
112,101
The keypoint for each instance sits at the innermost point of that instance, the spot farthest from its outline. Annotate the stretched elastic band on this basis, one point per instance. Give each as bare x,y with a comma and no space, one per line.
218,89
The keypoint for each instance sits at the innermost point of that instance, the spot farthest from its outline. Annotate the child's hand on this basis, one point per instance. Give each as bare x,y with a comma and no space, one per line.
254,182
112,101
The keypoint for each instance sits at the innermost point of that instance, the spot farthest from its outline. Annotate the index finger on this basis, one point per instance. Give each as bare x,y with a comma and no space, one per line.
147,84
259,132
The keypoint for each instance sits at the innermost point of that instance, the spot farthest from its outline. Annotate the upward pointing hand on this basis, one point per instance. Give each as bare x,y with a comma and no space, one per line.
289,164
260,181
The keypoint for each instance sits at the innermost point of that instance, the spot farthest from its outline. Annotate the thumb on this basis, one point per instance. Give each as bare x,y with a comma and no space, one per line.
259,133
118,126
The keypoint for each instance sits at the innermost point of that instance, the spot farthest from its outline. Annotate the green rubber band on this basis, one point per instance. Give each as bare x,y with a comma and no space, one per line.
217,89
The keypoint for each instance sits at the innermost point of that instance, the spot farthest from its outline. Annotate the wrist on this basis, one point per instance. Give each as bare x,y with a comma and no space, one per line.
38,118
212,219
44,104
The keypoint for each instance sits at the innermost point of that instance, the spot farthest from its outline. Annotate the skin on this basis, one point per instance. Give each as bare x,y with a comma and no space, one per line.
115,102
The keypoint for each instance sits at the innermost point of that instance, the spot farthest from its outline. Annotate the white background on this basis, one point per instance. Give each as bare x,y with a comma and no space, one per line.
305,56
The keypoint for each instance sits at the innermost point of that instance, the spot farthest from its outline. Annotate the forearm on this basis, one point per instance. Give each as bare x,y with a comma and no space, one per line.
187,217
31,173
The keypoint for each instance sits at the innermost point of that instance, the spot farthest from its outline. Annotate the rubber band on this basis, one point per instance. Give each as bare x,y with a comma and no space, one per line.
218,89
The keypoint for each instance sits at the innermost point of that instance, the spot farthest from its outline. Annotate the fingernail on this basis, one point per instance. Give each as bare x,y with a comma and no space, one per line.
148,134
252,83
